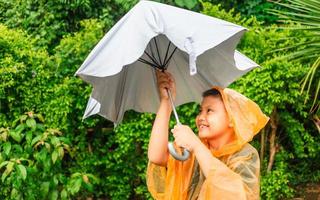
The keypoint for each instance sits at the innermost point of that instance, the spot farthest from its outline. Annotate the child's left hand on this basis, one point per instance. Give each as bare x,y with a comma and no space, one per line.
185,137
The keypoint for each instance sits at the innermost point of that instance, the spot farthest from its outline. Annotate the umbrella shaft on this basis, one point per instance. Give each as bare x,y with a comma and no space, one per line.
173,108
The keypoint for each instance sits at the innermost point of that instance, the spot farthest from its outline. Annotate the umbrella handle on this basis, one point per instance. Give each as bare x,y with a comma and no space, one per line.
185,153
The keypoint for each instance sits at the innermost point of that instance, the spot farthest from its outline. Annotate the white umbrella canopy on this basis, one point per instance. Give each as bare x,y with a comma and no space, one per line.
201,54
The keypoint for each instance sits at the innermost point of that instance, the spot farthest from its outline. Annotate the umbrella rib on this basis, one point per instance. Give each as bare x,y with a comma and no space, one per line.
147,62
155,62
170,57
155,41
152,53
151,47
165,58
144,61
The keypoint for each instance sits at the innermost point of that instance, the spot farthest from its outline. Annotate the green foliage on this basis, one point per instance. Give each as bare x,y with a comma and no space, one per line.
117,157
257,8
49,21
300,142
275,185
186,3
23,76
70,93
127,156
73,48
34,159
305,15
32,80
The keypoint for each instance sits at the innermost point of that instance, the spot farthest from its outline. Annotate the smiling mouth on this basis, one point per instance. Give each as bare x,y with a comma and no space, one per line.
203,126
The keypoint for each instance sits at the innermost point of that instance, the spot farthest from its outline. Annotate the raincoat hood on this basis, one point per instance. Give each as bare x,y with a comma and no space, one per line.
246,117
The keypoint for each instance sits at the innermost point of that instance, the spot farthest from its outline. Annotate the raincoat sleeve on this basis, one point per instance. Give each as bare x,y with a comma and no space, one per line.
172,181
237,179
156,180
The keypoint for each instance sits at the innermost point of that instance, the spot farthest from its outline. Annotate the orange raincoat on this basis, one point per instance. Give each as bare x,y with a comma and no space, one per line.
235,174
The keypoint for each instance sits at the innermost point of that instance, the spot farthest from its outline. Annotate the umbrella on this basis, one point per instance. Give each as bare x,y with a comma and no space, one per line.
198,50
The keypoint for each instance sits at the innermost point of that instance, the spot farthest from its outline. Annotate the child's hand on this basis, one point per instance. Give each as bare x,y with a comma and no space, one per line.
185,137
165,81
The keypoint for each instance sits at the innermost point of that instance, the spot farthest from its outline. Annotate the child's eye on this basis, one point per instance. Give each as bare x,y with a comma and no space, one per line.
210,110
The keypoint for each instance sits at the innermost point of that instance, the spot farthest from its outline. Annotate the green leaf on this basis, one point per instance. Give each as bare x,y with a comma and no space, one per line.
20,128
76,186
89,187
54,195
54,156
23,117
31,123
8,170
47,164
36,139
15,194
10,166
55,141
45,188
3,164
17,148
40,117
22,171
15,135
55,181
42,155
74,175
48,146
61,152
40,127
7,148
29,135
64,194
95,179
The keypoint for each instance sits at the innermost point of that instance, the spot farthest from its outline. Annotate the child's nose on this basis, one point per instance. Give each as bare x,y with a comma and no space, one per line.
201,117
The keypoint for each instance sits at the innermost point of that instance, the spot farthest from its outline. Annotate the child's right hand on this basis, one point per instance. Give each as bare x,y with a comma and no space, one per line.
165,81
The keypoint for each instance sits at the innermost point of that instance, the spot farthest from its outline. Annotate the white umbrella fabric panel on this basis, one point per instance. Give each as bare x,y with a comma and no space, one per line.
121,82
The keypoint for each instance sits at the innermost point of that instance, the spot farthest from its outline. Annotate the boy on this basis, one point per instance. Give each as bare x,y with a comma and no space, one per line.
222,165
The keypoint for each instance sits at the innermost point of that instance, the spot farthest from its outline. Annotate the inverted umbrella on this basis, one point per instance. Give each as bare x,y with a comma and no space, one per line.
198,50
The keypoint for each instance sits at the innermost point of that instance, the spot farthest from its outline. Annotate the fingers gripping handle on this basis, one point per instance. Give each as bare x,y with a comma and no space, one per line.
185,154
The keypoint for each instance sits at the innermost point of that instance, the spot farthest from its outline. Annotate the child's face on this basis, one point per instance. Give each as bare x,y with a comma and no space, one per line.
212,120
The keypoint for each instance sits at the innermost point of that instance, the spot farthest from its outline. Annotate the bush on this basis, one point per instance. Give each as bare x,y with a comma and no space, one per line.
33,158
275,185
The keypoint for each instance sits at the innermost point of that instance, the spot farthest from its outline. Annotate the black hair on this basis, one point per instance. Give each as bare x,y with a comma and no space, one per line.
211,92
